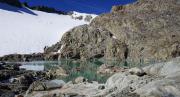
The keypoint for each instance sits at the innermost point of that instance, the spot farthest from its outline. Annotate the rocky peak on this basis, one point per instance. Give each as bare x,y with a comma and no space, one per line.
145,31
117,8
150,28
149,5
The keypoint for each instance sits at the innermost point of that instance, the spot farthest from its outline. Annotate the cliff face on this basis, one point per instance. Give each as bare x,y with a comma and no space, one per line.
150,28
147,30
86,42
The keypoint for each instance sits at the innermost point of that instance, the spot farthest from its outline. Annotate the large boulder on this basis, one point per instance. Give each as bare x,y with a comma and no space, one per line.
161,80
80,80
105,69
69,90
58,72
86,42
44,86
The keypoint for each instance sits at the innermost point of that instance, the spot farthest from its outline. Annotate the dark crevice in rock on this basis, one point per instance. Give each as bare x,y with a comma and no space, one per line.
126,52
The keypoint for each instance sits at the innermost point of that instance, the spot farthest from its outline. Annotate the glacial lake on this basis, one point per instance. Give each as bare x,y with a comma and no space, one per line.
87,69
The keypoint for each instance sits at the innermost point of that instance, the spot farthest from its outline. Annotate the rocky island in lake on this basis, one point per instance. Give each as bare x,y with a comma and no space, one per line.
132,51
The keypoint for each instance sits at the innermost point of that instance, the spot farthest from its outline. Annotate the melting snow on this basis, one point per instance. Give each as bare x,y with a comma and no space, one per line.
114,37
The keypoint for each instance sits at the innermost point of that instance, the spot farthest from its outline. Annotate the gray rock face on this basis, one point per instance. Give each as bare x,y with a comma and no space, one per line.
137,71
88,18
116,8
162,80
79,17
70,90
86,42
44,86
148,30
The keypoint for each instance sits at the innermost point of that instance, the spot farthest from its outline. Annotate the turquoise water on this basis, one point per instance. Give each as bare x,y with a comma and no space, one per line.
87,69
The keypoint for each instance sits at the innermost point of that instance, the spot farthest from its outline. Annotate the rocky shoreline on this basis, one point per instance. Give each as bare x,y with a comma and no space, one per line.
154,80
14,80
22,57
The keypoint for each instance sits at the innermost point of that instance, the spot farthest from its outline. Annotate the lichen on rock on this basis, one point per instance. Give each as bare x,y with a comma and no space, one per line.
147,30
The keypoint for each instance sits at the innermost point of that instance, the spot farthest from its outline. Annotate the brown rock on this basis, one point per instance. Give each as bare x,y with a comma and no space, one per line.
80,80
57,72
149,28
109,69
145,31
116,8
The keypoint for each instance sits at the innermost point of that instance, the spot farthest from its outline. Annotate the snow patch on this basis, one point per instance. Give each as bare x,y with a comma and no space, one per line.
84,15
59,51
114,37
25,33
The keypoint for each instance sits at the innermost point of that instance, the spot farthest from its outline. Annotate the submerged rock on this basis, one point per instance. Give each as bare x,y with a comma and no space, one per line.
109,69
15,80
58,72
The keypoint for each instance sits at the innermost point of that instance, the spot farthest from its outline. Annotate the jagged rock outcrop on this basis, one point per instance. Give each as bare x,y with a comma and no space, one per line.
86,42
23,57
150,28
145,31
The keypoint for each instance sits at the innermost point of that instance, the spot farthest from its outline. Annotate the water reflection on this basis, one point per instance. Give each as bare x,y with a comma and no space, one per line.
75,68
32,67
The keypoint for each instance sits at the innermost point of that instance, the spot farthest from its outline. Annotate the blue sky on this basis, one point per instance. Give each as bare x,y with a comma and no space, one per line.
86,6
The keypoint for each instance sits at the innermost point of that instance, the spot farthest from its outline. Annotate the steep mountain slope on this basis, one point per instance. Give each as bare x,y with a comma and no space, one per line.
26,31
146,31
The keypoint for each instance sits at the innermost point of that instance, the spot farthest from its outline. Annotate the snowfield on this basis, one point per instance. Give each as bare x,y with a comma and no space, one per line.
25,32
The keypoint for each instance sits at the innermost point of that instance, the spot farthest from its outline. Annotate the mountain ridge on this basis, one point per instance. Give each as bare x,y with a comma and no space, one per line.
145,31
